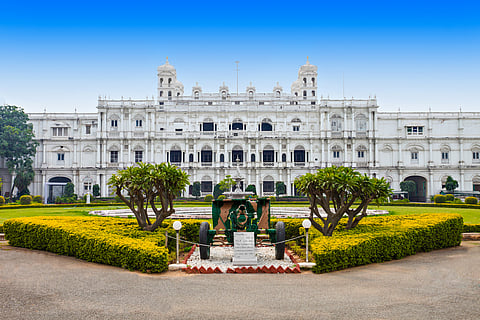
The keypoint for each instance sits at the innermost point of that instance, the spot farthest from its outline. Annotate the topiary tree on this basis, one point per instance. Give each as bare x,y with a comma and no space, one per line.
340,186
280,188
251,188
451,184
143,183
208,198
96,190
37,199
408,186
196,189
217,191
69,190
449,197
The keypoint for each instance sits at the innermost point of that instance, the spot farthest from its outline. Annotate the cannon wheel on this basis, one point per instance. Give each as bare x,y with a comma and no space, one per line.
280,235
203,239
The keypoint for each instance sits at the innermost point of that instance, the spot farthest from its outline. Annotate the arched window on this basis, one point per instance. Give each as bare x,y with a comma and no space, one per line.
237,154
305,82
313,81
266,125
313,93
169,93
222,157
361,153
196,95
169,81
237,124
361,123
161,93
161,82
284,157
206,184
476,183
268,184
252,157
296,94
277,93
304,93
336,153
190,157
336,123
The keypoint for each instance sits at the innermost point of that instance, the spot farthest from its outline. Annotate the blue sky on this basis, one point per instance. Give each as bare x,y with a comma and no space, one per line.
413,55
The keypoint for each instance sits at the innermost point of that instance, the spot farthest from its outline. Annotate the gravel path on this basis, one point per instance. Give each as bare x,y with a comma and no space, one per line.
443,284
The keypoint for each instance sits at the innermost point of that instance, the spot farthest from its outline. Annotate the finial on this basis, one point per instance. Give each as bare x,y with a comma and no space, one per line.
196,84
278,84
166,61
308,62
250,83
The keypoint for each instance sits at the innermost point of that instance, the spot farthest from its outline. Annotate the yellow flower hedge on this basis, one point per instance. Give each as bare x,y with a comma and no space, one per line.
112,241
383,238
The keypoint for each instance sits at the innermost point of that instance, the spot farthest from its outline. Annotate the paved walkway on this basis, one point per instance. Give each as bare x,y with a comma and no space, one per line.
443,284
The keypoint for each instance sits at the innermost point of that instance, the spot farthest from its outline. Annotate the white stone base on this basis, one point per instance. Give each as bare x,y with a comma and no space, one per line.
306,265
176,266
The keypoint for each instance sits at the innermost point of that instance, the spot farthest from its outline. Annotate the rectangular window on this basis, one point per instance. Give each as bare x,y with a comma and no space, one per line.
206,156
59,132
414,131
175,156
414,155
206,186
88,129
361,154
61,156
114,123
208,126
296,128
476,155
299,156
268,156
113,156
336,154
138,156
444,155
87,186
268,186
138,123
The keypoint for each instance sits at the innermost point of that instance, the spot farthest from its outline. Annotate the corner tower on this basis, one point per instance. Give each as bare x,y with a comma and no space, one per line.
168,85
306,84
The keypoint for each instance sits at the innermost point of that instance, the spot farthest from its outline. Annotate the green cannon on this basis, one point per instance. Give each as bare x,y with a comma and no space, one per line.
241,215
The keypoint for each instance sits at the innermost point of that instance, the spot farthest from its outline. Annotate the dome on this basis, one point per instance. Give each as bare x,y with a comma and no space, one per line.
166,67
307,67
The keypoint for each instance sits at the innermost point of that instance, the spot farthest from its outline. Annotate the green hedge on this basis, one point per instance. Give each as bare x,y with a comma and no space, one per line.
112,241
435,205
1,228
384,238
471,227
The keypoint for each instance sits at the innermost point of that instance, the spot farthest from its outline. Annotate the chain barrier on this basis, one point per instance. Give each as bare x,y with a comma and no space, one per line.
207,245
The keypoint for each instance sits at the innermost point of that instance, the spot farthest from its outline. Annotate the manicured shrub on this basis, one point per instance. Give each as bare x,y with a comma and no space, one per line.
221,197
439,198
26,199
471,227
2,200
449,197
1,228
208,198
112,241
37,199
471,200
458,201
384,238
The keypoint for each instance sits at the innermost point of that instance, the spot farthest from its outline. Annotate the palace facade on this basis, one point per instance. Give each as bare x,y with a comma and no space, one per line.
268,137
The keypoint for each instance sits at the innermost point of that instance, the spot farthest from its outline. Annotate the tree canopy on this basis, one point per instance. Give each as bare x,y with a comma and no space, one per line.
145,182
451,184
17,146
340,186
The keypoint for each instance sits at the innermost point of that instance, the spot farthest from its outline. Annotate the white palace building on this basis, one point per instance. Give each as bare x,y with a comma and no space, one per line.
271,137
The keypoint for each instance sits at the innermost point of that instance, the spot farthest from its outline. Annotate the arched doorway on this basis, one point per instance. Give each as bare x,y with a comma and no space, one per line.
420,193
56,188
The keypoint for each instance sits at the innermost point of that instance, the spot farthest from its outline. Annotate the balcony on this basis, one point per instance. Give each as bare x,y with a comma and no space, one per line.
299,164
268,164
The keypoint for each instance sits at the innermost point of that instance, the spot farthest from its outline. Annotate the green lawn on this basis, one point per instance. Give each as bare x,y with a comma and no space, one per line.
469,215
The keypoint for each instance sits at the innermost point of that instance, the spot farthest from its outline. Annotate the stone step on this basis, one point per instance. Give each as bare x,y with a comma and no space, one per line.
471,236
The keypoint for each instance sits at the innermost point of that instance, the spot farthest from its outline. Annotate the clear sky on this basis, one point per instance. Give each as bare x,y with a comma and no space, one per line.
413,55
